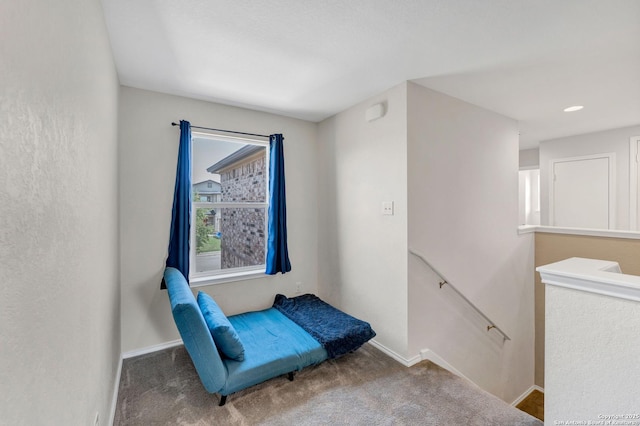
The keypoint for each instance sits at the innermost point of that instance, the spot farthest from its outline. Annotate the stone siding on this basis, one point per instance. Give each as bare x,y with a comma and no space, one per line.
245,182
243,229
243,234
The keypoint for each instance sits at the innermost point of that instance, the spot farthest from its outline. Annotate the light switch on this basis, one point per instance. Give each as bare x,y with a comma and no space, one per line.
387,208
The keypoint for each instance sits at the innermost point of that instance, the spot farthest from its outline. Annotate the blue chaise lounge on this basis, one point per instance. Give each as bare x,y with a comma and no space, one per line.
270,343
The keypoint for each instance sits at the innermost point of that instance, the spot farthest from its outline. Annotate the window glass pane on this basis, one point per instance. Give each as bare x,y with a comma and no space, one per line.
231,237
243,237
236,171
207,239
228,238
243,181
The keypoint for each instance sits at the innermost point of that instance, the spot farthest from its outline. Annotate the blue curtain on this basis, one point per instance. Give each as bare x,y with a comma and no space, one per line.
181,214
277,251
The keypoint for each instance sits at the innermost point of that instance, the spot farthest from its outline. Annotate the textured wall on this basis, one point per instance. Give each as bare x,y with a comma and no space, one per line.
59,309
592,358
555,247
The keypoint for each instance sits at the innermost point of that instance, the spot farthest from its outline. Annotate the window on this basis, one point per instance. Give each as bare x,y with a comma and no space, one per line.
229,227
529,208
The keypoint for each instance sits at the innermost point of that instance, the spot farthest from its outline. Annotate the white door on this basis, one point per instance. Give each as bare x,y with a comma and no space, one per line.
582,194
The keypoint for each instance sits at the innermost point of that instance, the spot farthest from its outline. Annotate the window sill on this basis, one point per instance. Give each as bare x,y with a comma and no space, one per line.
226,278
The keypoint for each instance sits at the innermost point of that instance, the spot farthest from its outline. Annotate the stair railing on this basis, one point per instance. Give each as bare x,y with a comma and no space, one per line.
491,325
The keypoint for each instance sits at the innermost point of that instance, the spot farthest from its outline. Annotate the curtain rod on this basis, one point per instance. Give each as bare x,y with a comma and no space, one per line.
226,131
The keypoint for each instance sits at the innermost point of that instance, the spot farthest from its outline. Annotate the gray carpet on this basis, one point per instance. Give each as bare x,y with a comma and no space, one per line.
363,388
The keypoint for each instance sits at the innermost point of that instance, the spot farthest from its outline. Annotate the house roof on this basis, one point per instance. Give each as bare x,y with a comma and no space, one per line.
207,181
235,157
216,188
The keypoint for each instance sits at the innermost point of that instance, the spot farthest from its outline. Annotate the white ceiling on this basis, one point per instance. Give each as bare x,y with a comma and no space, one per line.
526,59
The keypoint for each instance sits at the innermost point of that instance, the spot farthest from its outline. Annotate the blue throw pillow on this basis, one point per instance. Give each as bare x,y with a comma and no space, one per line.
223,333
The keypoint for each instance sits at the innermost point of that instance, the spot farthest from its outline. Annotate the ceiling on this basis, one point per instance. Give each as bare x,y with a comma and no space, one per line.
311,59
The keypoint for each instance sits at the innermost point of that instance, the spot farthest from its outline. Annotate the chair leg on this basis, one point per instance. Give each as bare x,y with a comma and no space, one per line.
223,400
290,376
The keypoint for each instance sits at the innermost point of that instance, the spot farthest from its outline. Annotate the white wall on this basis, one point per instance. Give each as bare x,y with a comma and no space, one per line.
59,311
363,254
148,155
591,357
462,217
529,188
529,197
616,140
529,159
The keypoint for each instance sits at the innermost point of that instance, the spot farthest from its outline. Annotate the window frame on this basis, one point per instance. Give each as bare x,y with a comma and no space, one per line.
220,276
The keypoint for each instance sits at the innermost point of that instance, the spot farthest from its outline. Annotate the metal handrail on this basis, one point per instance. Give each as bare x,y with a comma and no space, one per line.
444,281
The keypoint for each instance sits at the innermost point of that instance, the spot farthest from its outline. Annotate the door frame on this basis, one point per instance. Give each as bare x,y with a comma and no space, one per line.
611,157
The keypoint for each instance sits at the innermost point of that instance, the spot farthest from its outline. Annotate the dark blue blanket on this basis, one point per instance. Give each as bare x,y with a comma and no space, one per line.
337,332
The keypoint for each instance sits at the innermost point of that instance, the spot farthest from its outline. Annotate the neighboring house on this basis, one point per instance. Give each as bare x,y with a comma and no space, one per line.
208,191
242,179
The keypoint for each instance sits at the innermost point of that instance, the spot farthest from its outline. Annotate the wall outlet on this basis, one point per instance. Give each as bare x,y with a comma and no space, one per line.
387,208
299,287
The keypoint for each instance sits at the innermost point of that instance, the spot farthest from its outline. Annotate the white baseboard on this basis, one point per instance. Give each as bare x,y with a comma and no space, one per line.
150,349
116,388
430,355
402,360
435,358
526,394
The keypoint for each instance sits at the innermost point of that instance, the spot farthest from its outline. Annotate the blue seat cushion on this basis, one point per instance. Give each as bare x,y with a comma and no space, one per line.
224,335
274,345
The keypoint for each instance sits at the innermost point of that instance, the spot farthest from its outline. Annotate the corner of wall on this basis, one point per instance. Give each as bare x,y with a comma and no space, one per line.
462,217
363,253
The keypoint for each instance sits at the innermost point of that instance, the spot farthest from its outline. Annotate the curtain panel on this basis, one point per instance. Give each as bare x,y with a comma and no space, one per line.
181,214
277,250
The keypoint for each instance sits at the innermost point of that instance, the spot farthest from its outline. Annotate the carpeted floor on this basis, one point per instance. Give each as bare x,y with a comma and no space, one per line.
363,388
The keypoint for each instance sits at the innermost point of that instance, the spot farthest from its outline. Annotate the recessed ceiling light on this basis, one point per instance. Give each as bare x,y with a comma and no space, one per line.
573,108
